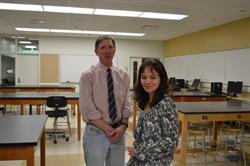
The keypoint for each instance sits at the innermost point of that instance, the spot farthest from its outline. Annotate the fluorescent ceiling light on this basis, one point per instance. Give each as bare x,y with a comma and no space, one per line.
24,42
62,9
23,7
34,39
65,31
32,29
162,16
113,33
77,10
122,13
79,31
32,46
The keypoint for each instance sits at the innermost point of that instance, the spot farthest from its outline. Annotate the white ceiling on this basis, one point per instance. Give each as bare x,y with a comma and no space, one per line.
203,14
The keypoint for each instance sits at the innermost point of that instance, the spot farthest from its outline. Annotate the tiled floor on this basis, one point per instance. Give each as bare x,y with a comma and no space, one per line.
71,154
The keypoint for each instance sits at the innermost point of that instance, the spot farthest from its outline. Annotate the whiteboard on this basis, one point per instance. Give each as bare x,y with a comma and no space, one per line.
71,66
238,66
223,66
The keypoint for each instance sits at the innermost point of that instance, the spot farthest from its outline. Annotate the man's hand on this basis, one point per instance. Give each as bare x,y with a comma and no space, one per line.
114,134
117,134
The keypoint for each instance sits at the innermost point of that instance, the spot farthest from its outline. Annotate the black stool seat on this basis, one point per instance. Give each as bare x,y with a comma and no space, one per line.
56,114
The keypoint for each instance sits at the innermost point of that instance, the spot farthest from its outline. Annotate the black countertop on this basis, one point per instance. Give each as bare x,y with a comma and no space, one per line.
197,94
213,107
38,86
18,130
37,95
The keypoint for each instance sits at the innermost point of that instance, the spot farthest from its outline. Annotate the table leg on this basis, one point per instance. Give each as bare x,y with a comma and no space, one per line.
183,154
134,114
21,109
30,109
78,122
214,136
38,110
42,148
73,109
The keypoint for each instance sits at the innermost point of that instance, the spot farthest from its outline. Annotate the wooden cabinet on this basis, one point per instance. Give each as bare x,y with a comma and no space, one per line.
198,98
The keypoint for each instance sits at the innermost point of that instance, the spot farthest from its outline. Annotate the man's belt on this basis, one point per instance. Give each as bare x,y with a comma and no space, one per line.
115,125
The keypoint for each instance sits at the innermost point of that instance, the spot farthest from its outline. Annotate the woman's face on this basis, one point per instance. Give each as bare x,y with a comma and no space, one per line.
150,80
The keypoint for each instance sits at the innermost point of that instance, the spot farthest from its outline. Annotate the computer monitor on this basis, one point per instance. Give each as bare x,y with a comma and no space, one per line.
216,87
180,83
234,87
238,87
5,82
195,83
172,81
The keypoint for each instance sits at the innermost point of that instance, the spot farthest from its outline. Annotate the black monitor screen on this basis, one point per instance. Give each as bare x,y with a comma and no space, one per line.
195,83
180,83
234,87
172,81
238,86
216,87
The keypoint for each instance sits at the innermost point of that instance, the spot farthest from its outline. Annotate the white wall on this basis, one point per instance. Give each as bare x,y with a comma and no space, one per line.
125,48
222,66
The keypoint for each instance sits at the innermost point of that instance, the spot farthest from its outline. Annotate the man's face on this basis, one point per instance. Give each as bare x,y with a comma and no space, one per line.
106,52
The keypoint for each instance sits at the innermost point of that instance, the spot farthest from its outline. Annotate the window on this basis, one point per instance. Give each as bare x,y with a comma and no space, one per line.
27,46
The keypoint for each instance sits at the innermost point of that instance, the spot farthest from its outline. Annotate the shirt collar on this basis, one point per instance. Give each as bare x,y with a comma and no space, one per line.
103,67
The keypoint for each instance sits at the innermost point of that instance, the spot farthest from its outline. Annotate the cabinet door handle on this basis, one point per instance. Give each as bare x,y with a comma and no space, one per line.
239,117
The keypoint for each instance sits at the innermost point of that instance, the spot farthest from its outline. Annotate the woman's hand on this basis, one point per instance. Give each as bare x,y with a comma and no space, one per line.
131,151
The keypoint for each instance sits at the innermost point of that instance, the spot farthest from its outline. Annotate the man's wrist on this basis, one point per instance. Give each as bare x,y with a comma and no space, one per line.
124,120
125,124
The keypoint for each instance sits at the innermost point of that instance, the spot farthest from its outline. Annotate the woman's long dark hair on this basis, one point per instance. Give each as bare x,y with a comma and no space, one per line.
141,96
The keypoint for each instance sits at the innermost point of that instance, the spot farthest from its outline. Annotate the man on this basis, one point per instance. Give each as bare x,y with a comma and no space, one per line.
105,107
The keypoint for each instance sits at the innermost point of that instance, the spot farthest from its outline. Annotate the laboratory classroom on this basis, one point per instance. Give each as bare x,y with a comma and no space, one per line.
204,45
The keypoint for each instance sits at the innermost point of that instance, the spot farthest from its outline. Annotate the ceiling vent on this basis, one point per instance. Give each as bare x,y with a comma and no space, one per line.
38,21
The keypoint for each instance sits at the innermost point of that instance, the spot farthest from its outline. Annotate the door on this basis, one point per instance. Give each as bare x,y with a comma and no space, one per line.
134,63
27,70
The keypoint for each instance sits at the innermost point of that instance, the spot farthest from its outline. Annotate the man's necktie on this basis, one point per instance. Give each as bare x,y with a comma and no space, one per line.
111,96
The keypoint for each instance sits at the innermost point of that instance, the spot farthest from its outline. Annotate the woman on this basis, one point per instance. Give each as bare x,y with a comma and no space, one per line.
156,135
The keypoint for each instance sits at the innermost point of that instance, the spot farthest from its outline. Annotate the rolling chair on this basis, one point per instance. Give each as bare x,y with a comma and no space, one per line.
58,103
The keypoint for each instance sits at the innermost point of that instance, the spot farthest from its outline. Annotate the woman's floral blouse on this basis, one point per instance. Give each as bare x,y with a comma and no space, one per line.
156,135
